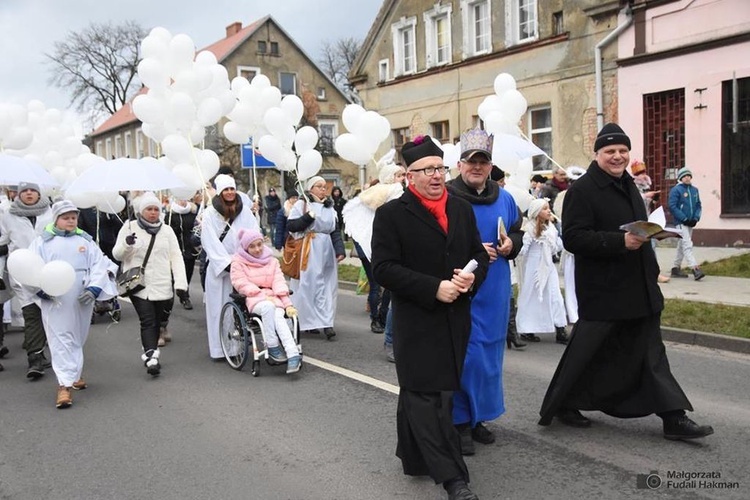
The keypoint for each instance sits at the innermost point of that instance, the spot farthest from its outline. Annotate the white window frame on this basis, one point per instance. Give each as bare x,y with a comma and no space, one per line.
384,73
108,148
118,146
327,122
469,27
513,22
398,29
100,148
139,143
431,19
295,81
321,93
128,149
240,69
152,148
543,130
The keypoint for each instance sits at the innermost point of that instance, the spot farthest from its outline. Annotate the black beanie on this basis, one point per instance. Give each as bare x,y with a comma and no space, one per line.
610,134
496,173
419,148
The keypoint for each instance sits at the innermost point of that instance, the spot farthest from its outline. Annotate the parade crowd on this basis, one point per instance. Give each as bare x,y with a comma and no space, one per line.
441,258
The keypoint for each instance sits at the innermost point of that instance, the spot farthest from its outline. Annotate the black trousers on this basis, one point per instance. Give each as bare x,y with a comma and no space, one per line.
151,313
34,338
428,443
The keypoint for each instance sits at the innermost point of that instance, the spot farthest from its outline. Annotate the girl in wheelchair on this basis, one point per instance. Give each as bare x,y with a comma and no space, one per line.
256,274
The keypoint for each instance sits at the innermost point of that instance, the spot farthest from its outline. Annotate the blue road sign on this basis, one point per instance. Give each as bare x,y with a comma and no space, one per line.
246,152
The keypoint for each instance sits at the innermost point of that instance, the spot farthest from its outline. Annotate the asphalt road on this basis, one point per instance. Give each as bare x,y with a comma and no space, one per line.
205,431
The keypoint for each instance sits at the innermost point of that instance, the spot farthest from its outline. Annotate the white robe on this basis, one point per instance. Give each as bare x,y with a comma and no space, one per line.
568,263
66,321
316,292
359,213
219,255
540,302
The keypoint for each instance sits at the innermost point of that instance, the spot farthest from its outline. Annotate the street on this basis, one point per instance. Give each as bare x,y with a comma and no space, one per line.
202,430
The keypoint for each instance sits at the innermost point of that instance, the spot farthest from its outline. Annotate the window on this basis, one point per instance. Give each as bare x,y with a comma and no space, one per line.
328,130
100,149
153,148
288,83
383,72
248,72
108,149
540,133
438,34
128,146
261,46
735,145
400,137
440,131
321,93
274,48
404,46
558,28
118,146
523,21
139,144
476,18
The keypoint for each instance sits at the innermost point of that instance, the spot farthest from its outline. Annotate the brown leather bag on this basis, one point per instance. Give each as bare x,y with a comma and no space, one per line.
291,257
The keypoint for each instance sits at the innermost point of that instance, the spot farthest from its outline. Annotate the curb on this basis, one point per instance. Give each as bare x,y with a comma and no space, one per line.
679,335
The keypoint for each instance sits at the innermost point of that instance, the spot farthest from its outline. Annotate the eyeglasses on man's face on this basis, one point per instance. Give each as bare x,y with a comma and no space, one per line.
430,171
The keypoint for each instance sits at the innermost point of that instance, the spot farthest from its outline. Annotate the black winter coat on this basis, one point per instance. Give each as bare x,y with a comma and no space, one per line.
612,283
182,225
411,255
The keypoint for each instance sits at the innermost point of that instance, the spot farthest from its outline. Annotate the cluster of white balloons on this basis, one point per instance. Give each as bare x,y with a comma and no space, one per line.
54,278
367,130
40,134
186,93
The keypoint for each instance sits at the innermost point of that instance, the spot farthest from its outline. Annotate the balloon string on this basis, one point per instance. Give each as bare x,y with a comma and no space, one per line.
544,152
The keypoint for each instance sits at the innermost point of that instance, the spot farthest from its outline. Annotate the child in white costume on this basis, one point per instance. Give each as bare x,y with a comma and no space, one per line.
540,302
67,318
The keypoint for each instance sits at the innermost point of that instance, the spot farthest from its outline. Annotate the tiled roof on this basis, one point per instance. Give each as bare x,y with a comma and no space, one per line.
220,49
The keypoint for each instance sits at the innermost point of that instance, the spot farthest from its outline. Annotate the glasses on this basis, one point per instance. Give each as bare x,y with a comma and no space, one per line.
430,171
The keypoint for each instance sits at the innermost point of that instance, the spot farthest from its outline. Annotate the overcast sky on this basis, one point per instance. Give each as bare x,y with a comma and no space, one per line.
29,28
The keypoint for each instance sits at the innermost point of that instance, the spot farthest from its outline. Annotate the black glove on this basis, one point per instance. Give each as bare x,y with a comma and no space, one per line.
690,223
328,203
42,295
130,239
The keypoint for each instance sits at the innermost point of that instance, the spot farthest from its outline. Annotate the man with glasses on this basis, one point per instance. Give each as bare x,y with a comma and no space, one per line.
420,245
481,395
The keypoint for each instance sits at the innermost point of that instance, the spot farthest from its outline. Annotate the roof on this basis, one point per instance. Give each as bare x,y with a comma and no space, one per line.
370,39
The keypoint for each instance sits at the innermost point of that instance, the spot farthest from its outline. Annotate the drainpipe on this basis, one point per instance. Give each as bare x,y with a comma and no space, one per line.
598,61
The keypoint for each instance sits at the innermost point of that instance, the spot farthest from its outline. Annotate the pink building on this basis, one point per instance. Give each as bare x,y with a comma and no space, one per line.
684,99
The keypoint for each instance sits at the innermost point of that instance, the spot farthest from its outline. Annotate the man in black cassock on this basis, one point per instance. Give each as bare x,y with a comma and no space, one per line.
615,362
420,243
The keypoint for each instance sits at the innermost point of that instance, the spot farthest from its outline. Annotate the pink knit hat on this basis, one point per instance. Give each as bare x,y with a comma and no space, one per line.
247,236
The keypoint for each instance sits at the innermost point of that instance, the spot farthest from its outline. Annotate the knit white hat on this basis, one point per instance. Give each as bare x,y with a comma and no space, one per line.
147,199
312,181
224,181
536,206
63,207
388,172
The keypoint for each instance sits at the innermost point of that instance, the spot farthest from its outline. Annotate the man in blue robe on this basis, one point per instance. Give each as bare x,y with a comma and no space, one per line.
481,395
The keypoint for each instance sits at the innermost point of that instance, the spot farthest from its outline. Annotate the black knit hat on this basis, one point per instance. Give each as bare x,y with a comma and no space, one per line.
610,134
292,193
420,147
497,173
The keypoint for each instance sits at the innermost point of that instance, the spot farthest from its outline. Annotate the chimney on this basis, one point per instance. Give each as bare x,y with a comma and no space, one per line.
234,28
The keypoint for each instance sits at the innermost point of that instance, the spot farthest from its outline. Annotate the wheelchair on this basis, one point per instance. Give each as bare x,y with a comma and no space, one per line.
110,307
240,330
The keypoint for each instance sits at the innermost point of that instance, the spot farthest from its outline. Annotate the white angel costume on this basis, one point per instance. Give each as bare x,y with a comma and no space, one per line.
66,320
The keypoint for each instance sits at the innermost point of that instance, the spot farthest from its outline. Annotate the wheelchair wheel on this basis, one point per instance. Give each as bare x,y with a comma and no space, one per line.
256,368
115,315
233,335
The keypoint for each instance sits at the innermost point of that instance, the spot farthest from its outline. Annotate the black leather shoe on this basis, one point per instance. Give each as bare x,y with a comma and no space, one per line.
458,490
467,444
573,418
376,327
561,336
330,333
3,351
482,434
530,337
185,301
684,428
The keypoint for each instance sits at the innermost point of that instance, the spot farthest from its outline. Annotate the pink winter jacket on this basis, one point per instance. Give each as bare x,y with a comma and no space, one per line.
258,282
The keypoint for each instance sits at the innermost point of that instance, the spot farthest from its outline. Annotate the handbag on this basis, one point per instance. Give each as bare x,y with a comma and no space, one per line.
290,257
132,281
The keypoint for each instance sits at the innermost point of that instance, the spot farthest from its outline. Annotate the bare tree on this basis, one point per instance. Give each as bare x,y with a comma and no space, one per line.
337,59
98,66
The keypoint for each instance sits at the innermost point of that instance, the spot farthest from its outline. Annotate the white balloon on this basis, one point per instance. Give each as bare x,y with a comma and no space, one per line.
260,81
309,164
244,114
152,73
181,110
287,137
205,58
270,147
369,127
521,196
154,131
148,109
351,115
187,81
83,200
18,138
276,121
503,83
189,175
270,97
25,267
181,51
70,147
236,133
57,278
183,193
177,148
451,154
489,104
293,107
228,101
239,83
112,207
514,104
305,139
161,33
155,47
208,161
36,106
352,148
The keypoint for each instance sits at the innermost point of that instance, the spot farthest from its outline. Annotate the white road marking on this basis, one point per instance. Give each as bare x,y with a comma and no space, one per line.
379,384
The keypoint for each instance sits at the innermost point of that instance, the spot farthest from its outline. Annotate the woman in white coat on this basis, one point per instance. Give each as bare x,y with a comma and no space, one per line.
316,291
164,264
67,318
222,220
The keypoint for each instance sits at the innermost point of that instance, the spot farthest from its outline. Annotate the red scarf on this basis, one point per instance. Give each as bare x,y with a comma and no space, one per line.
435,207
